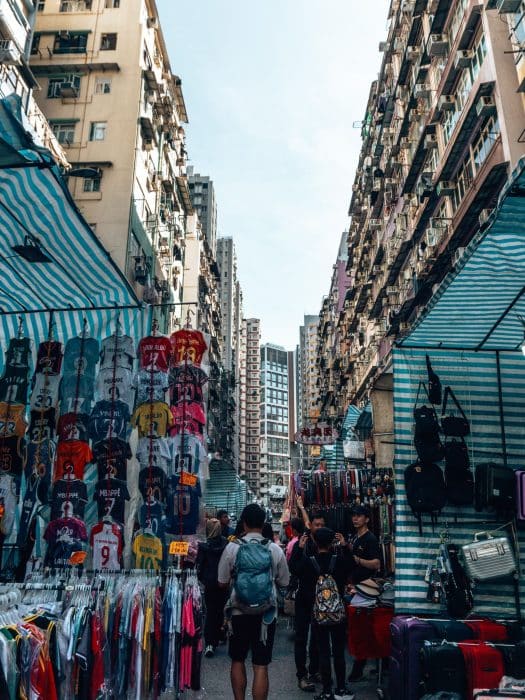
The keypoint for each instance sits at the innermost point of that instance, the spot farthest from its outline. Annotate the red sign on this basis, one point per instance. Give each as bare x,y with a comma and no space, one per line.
320,434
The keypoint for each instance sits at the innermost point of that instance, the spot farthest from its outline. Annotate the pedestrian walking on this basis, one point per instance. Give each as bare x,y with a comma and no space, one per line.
215,596
298,528
224,520
255,566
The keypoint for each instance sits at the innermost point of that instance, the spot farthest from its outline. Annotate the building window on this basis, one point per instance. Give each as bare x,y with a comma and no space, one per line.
103,86
63,86
64,132
75,5
108,42
35,44
41,6
70,42
92,184
112,4
97,131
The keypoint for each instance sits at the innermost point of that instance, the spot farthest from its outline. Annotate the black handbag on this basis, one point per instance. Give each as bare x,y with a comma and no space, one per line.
425,418
454,426
434,385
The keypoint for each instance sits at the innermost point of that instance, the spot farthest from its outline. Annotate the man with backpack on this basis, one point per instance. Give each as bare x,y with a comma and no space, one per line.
207,564
324,576
255,566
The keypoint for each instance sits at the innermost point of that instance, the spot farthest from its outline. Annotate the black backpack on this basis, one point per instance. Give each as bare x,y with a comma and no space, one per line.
425,490
434,384
458,476
426,430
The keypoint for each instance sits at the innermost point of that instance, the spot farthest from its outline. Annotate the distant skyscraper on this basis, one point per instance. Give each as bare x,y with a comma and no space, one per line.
250,395
203,199
308,398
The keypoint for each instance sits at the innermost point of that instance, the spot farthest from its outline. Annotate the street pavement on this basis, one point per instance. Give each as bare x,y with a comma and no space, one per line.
283,683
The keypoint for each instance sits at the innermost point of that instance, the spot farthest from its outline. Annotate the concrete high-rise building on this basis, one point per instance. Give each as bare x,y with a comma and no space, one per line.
308,388
230,296
249,404
203,198
117,108
277,415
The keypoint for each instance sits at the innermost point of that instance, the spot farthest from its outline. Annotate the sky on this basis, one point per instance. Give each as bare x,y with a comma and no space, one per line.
273,90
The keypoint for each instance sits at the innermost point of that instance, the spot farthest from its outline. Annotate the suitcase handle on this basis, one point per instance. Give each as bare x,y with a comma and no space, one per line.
488,536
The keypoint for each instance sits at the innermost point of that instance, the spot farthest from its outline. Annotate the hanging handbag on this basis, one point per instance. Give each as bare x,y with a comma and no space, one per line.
458,476
434,384
454,426
425,418
488,558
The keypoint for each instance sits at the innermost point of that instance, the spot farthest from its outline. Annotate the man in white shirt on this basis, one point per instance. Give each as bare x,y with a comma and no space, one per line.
252,629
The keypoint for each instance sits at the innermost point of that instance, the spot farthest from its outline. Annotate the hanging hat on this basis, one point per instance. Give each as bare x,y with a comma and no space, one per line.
368,588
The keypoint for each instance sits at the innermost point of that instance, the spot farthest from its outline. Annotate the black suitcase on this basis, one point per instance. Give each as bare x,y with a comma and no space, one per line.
494,488
513,659
452,630
443,669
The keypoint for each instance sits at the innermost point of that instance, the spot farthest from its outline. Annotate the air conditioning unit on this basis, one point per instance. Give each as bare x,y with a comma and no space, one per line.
164,242
68,90
407,274
383,46
463,59
431,141
141,273
374,224
421,90
457,255
446,103
391,291
398,44
433,235
446,188
484,216
152,23
508,6
437,45
485,106
9,53
405,142
150,96
389,181
413,53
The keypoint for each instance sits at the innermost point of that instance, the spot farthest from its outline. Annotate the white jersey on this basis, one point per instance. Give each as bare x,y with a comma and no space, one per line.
106,542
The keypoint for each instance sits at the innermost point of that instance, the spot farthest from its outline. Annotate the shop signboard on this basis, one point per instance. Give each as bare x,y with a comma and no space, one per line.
319,434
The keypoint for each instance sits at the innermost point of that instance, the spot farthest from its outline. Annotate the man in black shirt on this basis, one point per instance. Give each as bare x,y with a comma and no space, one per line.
366,555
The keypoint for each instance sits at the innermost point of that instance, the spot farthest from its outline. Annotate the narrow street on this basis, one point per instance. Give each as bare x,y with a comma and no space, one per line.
283,683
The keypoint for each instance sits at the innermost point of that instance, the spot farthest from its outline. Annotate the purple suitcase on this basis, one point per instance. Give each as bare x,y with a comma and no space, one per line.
520,495
404,673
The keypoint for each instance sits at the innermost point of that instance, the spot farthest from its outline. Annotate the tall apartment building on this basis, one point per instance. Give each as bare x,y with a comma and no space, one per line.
17,19
308,396
203,198
230,295
442,131
249,404
118,109
277,414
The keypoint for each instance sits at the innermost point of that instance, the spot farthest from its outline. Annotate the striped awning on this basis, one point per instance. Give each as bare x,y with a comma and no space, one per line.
37,211
479,304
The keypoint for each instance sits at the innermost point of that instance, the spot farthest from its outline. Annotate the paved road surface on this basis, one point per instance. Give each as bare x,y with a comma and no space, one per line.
283,684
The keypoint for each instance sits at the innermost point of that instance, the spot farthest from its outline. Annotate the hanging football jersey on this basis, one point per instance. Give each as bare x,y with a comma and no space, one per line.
115,384
152,419
30,504
152,517
68,499
117,351
148,551
188,346
76,387
85,365
49,358
154,352
112,457
107,543
189,455
63,536
13,389
44,393
183,507
12,420
42,425
74,426
71,459
8,502
156,452
108,420
17,356
40,459
12,455
111,496
153,484
151,386
186,384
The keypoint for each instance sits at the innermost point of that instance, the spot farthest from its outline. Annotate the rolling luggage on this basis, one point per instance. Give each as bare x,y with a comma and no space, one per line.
513,659
483,664
498,695
452,630
494,488
489,558
488,630
408,634
520,496
443,669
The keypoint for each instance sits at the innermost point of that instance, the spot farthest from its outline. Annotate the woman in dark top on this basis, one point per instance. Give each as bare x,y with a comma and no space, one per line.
328,545
215,597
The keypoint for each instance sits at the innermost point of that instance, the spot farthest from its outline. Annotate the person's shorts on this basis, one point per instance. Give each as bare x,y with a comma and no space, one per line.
247,636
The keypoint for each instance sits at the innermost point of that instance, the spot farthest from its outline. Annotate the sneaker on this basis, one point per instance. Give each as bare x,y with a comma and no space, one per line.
324,696
343,694
306,684
209,652
314,677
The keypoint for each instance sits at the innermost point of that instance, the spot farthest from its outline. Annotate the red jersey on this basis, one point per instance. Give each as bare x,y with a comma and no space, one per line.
71,459
188,346
154,353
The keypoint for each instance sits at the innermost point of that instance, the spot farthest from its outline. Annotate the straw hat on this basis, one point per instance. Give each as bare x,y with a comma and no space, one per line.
368,588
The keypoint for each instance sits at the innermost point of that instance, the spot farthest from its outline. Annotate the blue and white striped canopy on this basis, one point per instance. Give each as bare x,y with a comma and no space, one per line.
479,304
